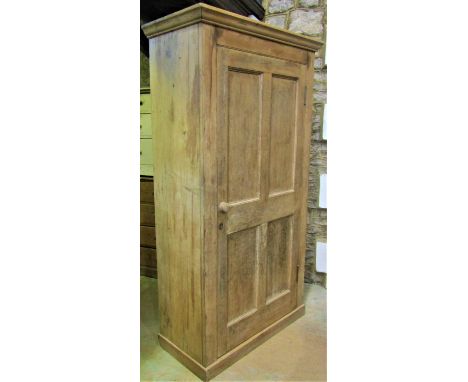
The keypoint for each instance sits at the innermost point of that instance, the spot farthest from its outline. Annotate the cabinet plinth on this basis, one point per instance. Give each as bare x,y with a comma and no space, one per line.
232,112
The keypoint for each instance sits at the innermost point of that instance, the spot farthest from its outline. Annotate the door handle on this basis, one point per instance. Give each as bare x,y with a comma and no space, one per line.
223,207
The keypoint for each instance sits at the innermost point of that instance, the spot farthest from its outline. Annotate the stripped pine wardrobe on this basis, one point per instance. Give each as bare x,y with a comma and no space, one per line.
231,130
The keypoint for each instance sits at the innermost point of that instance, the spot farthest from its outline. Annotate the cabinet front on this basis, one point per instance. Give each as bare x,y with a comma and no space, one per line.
260,102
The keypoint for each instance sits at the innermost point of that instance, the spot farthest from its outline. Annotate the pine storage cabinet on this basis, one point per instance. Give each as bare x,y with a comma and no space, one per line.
231,130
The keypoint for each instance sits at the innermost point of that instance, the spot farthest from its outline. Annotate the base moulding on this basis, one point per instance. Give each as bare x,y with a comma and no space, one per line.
222,363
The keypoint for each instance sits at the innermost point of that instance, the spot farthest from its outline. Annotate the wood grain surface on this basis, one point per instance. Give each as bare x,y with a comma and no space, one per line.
231,137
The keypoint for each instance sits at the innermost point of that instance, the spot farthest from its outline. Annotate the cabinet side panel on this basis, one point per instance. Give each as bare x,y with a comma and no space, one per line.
175,84
305,160
210,191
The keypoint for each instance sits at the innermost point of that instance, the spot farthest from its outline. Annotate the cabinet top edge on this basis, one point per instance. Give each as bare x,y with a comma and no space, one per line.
207,14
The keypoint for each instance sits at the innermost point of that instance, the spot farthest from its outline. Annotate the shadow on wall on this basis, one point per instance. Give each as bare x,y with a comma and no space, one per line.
144,71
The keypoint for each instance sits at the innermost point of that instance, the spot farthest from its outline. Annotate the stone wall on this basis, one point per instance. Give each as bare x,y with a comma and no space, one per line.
144,71
309,17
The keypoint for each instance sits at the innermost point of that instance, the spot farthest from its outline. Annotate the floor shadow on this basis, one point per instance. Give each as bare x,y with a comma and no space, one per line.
149,315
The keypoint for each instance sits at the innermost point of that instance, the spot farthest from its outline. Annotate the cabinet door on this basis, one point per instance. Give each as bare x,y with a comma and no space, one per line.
260,111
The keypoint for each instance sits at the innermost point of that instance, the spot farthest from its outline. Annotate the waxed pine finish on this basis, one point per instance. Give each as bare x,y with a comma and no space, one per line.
231,133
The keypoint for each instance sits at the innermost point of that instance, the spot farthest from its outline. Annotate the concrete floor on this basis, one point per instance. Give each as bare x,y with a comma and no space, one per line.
298,353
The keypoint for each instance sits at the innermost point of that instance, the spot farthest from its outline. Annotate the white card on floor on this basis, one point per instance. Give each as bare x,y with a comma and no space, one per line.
321,257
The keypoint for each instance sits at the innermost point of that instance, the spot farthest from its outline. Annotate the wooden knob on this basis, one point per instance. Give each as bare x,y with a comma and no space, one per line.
223,207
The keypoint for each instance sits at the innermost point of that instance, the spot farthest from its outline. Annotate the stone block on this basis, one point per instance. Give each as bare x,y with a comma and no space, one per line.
318,226
278,6
313,190
317,122
320,96
320,76
318,63
277,21
308,22
318,160
320,86
308,3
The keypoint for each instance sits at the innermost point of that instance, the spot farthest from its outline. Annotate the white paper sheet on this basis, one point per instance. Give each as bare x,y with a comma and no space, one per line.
321,257
323,191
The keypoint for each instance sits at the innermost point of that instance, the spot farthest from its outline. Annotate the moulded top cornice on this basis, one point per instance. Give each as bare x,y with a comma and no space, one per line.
203,13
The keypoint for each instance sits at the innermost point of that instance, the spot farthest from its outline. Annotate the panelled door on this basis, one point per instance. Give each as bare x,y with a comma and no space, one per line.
260,112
